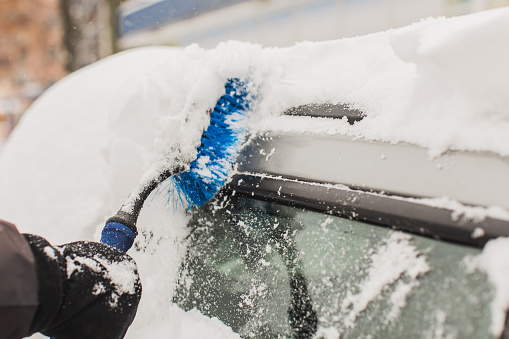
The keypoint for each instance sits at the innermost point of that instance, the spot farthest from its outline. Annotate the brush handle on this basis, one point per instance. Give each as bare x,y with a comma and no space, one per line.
120,230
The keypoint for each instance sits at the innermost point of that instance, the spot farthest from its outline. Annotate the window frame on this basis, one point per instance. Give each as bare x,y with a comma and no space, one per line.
400,213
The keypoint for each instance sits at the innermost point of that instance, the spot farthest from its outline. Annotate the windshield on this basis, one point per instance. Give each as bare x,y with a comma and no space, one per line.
272,271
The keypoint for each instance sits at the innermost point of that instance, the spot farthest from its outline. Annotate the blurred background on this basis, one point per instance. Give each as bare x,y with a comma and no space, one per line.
43,40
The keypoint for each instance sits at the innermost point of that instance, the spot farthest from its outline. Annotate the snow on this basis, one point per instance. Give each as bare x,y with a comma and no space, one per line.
438,83
98,289
327,333
87,142
396,258
463,212
50,252
493,260
398,298
120,274
440,330
181,324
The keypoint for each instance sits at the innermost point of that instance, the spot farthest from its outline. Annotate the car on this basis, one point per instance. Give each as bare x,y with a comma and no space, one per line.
321,236
370,199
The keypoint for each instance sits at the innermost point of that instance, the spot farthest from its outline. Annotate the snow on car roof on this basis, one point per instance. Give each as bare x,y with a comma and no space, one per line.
439,83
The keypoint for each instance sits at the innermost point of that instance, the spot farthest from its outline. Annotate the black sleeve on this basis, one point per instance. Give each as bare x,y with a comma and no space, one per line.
86,290
18,283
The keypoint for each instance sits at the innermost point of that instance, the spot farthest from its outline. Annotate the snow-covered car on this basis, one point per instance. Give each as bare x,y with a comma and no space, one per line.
370,200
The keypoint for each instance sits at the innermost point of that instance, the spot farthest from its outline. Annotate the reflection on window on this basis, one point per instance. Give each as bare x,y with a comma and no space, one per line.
271,271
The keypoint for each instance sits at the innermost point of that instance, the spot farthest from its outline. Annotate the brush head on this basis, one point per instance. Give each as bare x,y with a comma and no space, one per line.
219,148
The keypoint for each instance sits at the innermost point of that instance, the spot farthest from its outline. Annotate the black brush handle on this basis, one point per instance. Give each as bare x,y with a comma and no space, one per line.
121,230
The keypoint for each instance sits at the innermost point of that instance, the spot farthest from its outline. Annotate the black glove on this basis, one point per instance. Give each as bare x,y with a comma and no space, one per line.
86,290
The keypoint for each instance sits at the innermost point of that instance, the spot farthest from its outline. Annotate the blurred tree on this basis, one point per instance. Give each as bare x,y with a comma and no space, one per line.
90,30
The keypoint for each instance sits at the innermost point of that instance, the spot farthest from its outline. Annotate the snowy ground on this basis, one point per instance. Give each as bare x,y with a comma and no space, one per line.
440,83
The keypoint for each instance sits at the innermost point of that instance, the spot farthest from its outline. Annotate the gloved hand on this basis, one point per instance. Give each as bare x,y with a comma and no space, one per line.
86,290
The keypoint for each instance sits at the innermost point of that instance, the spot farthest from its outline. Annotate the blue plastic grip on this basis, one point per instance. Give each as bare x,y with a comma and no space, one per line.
117,235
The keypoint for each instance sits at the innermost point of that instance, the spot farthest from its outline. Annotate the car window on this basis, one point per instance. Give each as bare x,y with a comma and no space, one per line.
272,271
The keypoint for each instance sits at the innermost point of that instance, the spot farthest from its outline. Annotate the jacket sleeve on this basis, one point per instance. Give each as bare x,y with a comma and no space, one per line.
18,283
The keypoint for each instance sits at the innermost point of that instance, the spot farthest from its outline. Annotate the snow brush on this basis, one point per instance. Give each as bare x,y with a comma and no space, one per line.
195,182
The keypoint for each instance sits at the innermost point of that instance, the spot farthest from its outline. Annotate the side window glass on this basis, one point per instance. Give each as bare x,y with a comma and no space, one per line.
272,271
367,280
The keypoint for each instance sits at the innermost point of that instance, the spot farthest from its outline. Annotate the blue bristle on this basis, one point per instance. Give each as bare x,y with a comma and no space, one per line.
219,147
